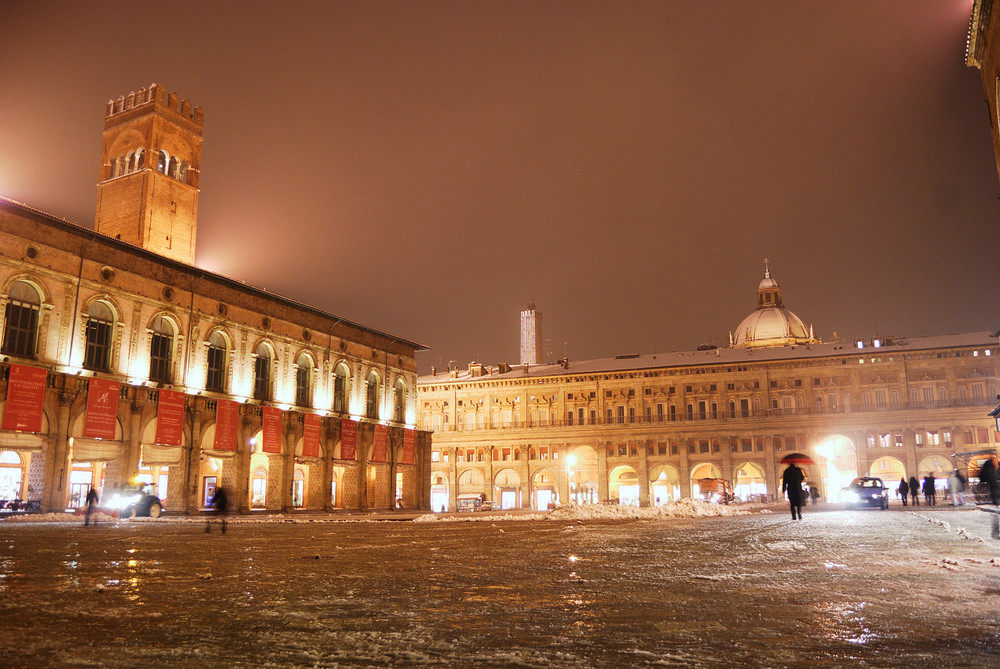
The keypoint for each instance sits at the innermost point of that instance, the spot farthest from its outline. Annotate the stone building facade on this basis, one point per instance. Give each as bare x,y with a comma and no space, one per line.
645,429
205,381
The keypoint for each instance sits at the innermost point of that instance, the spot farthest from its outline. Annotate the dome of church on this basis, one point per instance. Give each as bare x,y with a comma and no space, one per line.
771,324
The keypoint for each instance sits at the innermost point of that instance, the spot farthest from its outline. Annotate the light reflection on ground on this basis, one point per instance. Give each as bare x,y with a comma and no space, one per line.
835,588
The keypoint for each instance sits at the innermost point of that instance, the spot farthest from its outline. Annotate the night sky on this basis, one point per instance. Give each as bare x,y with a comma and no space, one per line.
428,168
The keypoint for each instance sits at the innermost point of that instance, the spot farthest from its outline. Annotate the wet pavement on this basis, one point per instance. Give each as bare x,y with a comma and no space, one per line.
914,588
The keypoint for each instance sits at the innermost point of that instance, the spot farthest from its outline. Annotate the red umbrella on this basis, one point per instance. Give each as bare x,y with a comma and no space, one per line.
797,458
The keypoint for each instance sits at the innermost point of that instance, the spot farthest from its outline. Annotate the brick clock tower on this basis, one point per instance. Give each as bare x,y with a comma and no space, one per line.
150,163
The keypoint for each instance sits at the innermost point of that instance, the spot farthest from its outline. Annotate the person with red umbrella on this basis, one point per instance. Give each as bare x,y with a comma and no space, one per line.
791,482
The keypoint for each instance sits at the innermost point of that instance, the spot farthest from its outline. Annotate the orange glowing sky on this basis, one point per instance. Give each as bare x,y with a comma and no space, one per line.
428,168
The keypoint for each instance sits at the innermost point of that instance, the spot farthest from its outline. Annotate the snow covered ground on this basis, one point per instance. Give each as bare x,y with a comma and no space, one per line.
576,587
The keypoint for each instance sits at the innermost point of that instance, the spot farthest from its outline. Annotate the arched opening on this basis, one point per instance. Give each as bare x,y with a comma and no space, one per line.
471,489
581,474
298,488
215,375
303,380
439,493
140,159
161,350
839,466
172,167
98,337
399,403
340,376
507,486
889,469
372,394
258,488
182,173
664,484
161,162
623,485
262,372
12,479
543,485
750,484
20,326
701,472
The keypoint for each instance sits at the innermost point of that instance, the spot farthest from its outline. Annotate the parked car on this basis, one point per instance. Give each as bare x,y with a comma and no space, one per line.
134,502
867,490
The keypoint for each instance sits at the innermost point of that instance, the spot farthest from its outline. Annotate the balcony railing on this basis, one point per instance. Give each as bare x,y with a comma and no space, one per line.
708,417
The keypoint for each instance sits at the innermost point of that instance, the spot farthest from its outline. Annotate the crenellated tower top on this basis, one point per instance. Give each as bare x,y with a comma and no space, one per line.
147,191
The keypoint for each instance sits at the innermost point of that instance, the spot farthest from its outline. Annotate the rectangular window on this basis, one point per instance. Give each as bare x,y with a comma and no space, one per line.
435,456
631,414
659,412
569,417
159,358
581,415
98,346
620,414
20,327
215,381
302,398
261,378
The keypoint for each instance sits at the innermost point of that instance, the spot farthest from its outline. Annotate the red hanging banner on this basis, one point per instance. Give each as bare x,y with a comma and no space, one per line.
169,417
348,439
25,395
310,436
102,409
409,447
272,430
378,447
227,415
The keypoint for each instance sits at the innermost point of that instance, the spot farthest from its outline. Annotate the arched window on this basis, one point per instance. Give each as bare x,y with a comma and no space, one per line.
303,380
215,380
371,394
182,174
100,328
114,168
20,326
262,372
161,162
140,159
399,406
340,377
160,350
172,168
129,163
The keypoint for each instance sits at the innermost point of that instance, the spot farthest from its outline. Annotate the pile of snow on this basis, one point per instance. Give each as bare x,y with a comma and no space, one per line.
685,508
62,517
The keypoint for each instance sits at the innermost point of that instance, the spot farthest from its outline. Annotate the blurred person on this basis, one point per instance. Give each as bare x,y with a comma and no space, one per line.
92,500
791,483
930,491
220,502
914,491
903,490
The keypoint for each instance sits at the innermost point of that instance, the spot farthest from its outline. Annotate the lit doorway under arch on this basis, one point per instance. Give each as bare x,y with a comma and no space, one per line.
840,465
664,484
750,484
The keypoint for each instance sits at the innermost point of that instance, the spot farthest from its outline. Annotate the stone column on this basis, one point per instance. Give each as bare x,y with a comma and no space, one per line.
57,459
644,472
242,482
132,447
602,471
191,465
329,428
563,475
288,439
453,478
685,467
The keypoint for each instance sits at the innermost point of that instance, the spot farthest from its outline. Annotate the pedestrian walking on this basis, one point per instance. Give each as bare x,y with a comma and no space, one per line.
220,502
929,490
791,483
903,490
814,494
92,501
914,491
956,485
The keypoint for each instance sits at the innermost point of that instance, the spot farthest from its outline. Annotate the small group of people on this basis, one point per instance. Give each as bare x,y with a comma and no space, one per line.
913,488
989,478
